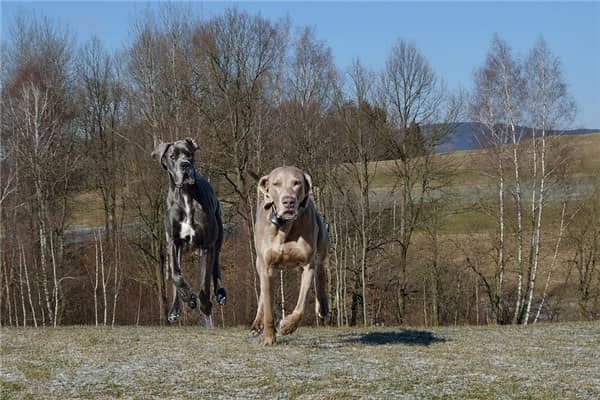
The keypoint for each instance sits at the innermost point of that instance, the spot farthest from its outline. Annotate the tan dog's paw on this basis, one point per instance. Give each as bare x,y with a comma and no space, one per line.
290,323
268,340
257,328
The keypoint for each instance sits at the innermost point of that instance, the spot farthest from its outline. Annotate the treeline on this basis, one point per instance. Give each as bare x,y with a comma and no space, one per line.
79,123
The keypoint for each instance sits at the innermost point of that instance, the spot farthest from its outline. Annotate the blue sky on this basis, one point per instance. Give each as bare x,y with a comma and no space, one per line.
453,36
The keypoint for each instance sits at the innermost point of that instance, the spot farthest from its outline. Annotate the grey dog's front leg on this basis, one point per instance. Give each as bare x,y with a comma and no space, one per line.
181,290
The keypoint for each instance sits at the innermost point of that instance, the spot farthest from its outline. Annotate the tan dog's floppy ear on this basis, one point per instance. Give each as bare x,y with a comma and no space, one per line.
263,188
159,152
307,189
192,143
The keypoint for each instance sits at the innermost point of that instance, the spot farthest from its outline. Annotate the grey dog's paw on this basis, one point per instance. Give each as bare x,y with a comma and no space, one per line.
221,296
192,303
174,316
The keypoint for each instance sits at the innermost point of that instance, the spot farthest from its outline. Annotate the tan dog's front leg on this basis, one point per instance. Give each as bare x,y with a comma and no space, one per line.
257,326
265,290
291,322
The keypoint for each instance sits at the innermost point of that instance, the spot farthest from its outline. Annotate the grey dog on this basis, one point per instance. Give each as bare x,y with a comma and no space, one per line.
192,221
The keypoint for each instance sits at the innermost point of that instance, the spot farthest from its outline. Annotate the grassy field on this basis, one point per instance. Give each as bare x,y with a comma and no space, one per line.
557,361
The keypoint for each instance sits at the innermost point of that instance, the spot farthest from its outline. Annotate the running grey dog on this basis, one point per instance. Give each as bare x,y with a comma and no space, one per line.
192,221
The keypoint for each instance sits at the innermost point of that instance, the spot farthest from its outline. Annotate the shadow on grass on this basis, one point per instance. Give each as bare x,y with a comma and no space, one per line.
406,337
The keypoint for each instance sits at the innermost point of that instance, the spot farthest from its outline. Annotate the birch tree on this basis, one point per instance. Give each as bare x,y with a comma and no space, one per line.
509,94
487,109
550,108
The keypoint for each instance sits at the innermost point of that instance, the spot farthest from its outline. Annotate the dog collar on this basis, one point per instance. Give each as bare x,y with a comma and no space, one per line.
278,222
275,220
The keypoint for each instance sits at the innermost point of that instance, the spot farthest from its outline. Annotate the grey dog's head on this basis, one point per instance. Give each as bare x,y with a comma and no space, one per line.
178,159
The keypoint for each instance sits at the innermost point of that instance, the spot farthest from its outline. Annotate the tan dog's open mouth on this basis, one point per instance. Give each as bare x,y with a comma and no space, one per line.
288,215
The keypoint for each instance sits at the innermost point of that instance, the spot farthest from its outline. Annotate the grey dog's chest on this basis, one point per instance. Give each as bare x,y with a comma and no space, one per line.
189,220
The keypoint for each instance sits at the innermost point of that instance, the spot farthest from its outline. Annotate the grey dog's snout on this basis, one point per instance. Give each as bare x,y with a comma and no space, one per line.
288,202
185,164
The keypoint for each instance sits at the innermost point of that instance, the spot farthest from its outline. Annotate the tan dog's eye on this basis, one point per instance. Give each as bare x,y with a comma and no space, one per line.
296,183
277,183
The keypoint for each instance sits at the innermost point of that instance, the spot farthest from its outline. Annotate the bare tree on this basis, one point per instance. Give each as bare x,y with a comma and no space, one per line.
309,92
38,119
422,115
238,57
101,114
585,237
159,93
359,123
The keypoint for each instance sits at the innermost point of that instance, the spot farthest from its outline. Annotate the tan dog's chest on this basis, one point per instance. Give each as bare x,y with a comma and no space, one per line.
289,254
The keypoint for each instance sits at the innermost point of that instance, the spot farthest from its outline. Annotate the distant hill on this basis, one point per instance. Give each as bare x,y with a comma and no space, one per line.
465,133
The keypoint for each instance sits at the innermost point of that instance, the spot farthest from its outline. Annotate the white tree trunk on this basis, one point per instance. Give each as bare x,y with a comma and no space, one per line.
538,228
500,273
553,263
518,203
21,291
117,281
104,282
28,288
56,282
96,278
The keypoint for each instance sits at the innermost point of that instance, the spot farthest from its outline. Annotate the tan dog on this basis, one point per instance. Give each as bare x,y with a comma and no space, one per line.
289,233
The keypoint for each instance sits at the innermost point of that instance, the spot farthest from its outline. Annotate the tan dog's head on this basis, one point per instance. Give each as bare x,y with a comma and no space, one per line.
285,191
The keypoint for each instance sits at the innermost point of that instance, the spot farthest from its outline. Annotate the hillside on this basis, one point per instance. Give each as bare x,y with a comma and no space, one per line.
464,134
557,361
468,187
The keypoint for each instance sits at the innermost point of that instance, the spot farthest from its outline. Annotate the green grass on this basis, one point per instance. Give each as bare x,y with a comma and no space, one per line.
553,361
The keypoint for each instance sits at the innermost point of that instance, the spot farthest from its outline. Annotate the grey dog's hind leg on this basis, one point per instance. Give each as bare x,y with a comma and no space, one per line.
205,275
220,293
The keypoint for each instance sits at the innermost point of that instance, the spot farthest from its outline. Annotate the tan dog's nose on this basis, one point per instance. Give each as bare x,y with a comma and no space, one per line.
288,202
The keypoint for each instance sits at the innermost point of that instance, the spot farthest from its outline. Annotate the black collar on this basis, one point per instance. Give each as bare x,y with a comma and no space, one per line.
278,222
275,220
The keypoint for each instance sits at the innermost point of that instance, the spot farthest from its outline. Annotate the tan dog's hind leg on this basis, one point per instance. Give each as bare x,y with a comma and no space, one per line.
321,303
291,322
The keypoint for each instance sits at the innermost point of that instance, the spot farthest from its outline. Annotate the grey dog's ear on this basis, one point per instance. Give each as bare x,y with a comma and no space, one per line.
263,188
159,152
192,143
